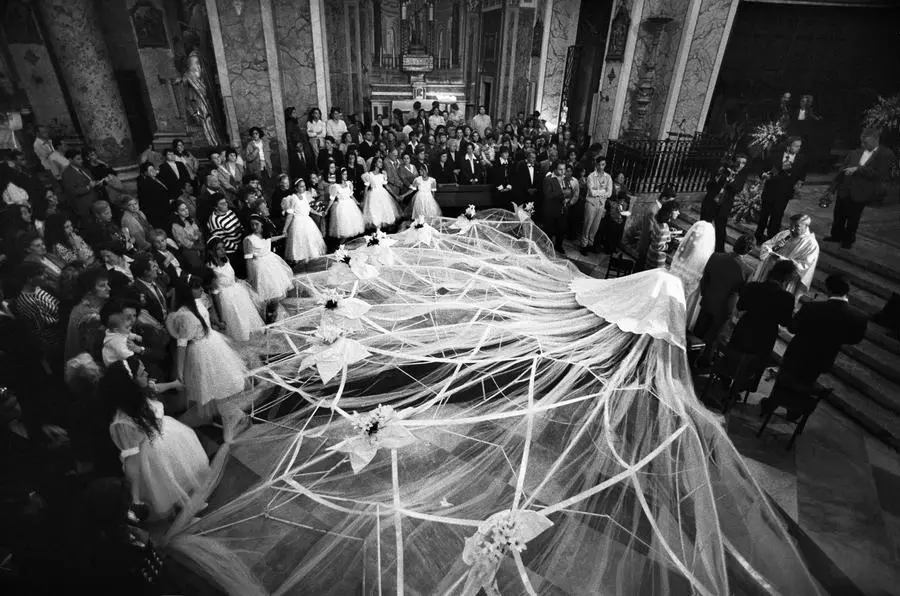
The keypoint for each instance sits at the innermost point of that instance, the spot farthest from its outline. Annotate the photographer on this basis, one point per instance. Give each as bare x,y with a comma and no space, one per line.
720,192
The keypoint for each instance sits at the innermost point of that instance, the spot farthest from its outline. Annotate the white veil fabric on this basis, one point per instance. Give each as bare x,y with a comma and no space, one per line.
478,415
689,261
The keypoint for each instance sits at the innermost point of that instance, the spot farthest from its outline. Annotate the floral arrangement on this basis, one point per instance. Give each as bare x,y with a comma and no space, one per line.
370,423
885,114
498,538
331,299
470,212
374,430
423,232
419,223
466,221
375,238
748,202
529,208
767,135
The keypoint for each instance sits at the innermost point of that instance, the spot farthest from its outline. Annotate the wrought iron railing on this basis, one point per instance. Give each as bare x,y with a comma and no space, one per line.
391,61
649,165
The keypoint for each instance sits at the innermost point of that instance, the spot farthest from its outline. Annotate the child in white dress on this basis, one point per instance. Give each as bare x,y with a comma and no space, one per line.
423,202
346,219
163,460
206,364
233,297
270,276
379,210
304,241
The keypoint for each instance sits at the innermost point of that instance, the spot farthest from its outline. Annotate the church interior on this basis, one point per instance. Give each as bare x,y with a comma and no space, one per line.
520,149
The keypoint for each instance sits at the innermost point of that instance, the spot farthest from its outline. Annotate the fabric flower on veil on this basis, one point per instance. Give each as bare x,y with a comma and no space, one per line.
375,430
331,350
357,262
378,246
503,532
465,221
422,232
342,311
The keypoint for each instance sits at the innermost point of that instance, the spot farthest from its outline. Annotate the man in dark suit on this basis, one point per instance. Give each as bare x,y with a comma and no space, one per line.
153,295
154,196
328,153
526,180
470,170
500,177
720,192
173,174
723,278
367,148
766,306
556,198
299,162
862,180
784,174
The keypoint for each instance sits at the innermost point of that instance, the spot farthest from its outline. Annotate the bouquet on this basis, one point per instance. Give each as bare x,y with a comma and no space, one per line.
765,136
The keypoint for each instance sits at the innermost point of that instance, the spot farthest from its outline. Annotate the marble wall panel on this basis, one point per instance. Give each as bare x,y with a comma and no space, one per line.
522,63
701,58
248,71
293,33
339,67
563,30
43,88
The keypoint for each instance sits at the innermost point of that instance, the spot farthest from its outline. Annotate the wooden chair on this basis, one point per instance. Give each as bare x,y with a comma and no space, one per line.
738,370
619,265
695,347
798,398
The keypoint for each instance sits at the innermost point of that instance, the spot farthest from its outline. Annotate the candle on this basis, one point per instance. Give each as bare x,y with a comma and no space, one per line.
403,10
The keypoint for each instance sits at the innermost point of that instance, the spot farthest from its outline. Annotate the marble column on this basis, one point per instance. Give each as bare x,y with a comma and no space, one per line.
74,30
560,33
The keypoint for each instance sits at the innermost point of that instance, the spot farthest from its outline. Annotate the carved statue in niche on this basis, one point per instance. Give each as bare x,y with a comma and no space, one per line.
417,16
618,35
199,90
148,25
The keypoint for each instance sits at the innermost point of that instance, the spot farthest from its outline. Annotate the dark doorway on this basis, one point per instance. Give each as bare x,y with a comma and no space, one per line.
593,26
486,93
844,57
135,109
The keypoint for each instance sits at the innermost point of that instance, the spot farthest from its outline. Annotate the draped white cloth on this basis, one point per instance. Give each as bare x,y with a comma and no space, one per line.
515,427
688,264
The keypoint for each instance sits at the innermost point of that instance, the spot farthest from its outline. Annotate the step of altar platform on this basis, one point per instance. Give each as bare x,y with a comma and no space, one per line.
865,376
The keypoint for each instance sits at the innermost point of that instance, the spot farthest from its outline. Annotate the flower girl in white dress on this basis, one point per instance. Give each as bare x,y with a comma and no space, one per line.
379,209
423,202
270,276
234,299
346,219
206,364
162,458
304,241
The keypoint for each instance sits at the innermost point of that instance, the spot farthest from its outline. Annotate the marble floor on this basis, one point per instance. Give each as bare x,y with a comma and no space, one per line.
839,484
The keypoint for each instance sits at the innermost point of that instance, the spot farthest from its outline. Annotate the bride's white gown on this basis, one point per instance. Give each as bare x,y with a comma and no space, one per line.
688,263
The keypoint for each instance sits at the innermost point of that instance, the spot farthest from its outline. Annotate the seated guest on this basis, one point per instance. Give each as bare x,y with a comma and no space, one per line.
797,244
38,311
136,224
65,245
234,166
282,189
112,189
120,342
820,329
155,338
187,236
329,153
173,173
723,278
117,269
154,196
78,186
103,234
82,331
34,250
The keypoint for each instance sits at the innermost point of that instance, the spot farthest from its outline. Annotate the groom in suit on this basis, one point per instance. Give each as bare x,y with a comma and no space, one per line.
862,180
784,174
720,193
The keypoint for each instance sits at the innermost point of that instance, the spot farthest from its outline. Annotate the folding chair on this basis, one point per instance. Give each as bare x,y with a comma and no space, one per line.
619,265
798,398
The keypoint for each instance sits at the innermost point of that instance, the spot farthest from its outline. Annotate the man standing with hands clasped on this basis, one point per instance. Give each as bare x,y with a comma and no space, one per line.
862,180
600,187
558,196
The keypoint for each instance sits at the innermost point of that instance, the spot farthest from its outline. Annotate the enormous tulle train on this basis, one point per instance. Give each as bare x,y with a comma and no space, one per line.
463,418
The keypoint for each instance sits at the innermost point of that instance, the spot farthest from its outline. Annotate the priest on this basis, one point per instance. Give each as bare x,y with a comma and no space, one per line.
797,244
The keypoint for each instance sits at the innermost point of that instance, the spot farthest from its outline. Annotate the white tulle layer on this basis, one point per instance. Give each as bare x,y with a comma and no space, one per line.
528,391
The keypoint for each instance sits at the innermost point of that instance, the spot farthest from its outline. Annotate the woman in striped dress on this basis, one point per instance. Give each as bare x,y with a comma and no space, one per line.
224,223
661,235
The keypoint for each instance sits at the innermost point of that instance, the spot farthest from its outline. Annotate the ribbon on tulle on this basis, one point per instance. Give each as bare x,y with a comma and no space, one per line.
361,266
365,444
485,562
330,357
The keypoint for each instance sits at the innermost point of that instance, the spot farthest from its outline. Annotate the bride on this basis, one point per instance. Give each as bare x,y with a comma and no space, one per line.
689,262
